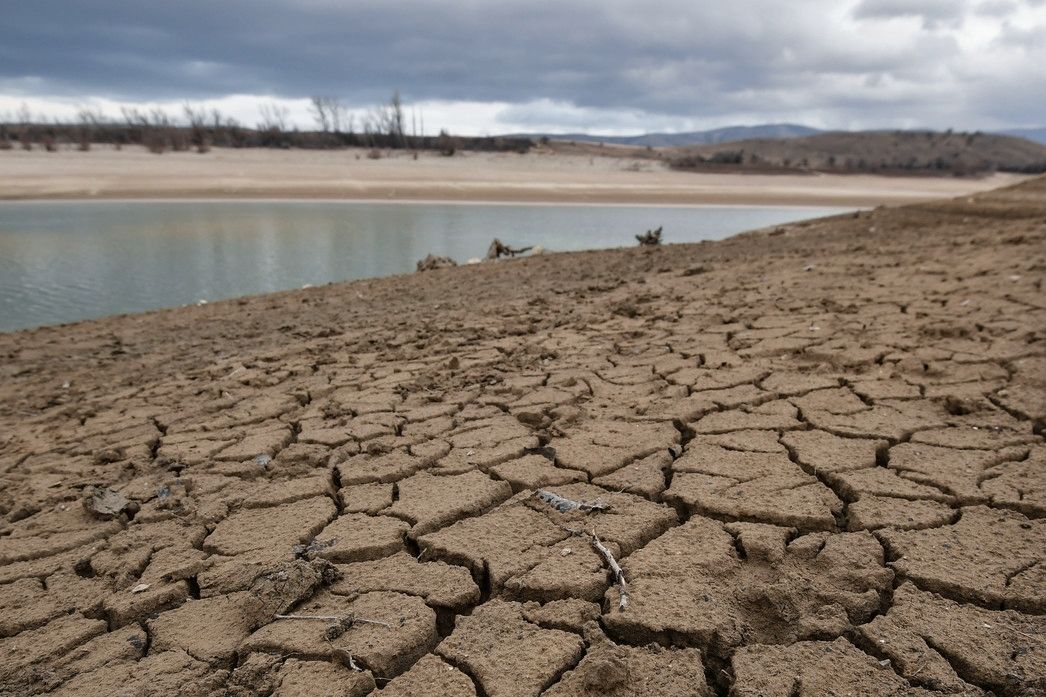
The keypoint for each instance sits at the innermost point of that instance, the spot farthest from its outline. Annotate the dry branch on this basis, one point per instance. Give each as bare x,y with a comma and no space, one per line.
615,568
498,249
608,557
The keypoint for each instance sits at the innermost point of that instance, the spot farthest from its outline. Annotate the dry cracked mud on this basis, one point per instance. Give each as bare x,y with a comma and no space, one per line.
816,452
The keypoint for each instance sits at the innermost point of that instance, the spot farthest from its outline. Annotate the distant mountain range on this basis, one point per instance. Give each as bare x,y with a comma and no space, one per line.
771,131
1036,134
668,140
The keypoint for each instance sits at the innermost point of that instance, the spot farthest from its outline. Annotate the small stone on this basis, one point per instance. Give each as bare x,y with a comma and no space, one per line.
104,502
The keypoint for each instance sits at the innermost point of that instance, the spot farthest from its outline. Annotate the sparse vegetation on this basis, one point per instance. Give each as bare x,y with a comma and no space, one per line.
389,126
880,152
384,127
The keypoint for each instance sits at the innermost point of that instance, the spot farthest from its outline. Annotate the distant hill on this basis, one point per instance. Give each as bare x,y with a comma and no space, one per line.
915,152
732,134
1036,134
670,140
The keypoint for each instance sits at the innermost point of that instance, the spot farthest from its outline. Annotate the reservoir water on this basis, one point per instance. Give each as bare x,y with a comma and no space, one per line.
74,260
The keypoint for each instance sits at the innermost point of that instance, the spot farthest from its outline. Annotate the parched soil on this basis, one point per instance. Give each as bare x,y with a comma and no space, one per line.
816,452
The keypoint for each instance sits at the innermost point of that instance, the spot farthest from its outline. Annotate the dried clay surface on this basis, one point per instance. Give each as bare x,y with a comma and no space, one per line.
803,461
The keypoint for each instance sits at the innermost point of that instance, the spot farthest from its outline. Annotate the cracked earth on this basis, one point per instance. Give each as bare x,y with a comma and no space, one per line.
817,453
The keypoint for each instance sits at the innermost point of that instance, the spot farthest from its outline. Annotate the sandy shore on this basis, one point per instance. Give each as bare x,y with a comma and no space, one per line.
349,174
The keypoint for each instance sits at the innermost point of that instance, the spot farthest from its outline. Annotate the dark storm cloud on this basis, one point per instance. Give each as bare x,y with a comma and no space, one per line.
669,57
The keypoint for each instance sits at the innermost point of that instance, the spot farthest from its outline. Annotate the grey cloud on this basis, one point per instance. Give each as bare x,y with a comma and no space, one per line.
672,58
1029,39
934,13
996,8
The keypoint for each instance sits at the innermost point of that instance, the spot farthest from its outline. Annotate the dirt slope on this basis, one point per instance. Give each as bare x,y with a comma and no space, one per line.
816,452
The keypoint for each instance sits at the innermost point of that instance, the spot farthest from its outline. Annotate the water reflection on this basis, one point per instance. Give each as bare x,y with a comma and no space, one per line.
64,261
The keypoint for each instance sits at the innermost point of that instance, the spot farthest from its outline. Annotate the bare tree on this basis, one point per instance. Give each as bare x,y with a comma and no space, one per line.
387,120
197,118
133,117
372,124
394,121
414,129
159,118
156,129
274,117
338,114
329,113
24,115
6,121
25,119
89,121
320,113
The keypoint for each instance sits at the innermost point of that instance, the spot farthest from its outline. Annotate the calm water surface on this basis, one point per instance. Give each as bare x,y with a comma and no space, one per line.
66,261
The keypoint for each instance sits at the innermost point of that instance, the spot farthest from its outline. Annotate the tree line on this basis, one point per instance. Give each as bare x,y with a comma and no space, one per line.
382,127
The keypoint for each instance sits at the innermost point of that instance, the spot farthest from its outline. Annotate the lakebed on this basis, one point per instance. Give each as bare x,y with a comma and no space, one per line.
816,451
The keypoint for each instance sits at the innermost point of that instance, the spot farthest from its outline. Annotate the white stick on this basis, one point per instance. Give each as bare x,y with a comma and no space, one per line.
615,568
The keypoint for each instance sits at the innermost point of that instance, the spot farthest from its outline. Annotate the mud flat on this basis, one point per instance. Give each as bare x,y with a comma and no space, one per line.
816,452
538,176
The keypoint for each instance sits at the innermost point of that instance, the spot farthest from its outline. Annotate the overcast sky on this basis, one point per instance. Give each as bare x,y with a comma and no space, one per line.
604,66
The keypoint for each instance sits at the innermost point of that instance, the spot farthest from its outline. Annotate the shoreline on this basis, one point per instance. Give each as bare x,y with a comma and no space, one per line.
536,178
811,215
409,202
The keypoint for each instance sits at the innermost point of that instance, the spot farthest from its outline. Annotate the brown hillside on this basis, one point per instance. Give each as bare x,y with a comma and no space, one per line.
878,151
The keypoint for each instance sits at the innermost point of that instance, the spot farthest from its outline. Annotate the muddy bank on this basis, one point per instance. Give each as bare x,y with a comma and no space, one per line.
815,451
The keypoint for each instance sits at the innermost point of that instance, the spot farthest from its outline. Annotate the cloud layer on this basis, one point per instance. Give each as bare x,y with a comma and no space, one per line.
603,65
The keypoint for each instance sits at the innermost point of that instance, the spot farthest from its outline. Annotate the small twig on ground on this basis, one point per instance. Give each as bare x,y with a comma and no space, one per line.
330,636
608,557
615,568
564,505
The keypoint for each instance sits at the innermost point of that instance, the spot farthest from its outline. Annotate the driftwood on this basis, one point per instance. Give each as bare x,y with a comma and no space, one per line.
498,249
615,568
650,238
565,505
433,262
